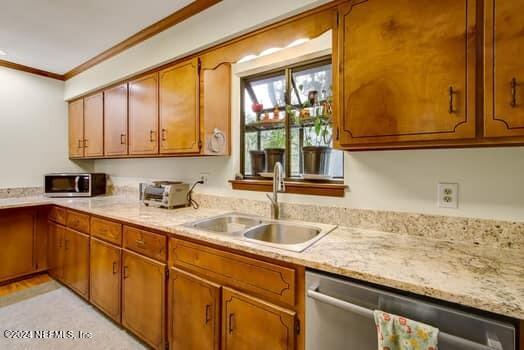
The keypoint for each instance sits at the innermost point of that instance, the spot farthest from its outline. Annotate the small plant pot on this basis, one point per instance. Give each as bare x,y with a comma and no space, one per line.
258,162
316,160
274,155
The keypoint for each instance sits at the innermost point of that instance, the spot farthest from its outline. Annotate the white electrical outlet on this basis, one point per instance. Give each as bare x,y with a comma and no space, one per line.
204,177
447,194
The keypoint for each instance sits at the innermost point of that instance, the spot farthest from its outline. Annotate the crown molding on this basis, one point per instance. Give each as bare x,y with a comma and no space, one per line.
31,70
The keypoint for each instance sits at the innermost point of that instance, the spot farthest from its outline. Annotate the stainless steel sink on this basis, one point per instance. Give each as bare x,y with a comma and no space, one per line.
275,233
289,236
228,223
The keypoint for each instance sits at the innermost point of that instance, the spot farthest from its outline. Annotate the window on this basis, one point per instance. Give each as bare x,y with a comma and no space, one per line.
287,117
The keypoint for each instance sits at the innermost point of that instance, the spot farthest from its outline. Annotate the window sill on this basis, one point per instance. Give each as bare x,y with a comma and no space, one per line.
330,189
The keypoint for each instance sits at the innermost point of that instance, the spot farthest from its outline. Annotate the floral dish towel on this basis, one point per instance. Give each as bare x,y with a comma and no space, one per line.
398,333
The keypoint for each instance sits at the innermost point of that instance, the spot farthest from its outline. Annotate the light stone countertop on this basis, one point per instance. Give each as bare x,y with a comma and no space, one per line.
486,278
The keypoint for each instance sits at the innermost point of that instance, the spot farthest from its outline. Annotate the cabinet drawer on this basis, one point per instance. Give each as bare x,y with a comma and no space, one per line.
147,243
78,221
265,279
58,215
107,230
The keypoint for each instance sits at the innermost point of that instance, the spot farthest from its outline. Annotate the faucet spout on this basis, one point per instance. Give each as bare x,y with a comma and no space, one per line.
278,186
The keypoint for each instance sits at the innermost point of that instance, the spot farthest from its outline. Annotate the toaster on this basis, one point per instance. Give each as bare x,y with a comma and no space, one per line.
165,194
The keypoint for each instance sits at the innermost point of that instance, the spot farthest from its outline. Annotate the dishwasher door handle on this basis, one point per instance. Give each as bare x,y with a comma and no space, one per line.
365,312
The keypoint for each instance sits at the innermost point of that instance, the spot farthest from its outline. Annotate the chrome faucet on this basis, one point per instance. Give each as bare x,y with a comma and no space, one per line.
278,186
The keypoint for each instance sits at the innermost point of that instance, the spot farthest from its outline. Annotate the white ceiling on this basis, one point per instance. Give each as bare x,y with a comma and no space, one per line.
58,35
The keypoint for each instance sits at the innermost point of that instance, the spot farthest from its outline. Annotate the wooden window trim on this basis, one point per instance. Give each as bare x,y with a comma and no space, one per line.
329,189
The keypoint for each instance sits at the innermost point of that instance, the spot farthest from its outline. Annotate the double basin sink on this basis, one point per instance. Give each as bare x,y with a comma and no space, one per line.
275,233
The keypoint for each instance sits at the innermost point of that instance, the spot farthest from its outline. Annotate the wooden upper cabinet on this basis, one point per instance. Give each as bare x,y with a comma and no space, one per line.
194,312
504,68
143,115
215,104
179,120
115,121
94,125
143,298
76,128
105,278
17,235
249,323
405,72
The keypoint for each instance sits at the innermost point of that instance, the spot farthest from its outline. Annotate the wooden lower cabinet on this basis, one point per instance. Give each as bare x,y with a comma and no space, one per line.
194,312
56,250
143,298
250,323
105,278
17,243
76,262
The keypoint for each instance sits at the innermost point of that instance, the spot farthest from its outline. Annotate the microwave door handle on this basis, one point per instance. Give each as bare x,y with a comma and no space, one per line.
368,313
77,180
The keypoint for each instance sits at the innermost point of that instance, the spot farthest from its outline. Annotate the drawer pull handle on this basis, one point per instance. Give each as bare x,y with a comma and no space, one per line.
115,268
231,320
86,143
208,313
122,139
164,134
126,272
451,93
151,134
140,243
79,143
514,92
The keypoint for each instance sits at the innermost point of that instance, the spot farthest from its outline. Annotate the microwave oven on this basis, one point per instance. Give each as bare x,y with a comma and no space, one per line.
74,184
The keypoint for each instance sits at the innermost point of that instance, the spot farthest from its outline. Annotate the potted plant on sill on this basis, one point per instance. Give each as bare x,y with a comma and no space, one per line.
274,149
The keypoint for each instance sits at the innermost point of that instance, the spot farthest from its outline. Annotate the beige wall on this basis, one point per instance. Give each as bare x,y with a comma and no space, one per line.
33,129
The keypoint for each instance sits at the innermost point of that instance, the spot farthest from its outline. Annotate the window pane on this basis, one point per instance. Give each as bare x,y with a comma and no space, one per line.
270,92
308,80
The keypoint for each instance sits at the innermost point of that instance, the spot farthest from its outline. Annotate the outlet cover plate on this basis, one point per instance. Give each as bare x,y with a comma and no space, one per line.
447,195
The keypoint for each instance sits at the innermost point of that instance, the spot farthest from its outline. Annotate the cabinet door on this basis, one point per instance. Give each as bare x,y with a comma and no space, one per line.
76,128
94,125
76,262
143,298
504,74
216,109
249,323
179,108
406,71
115,121
194,312
143,115
105,278
56,250
17,235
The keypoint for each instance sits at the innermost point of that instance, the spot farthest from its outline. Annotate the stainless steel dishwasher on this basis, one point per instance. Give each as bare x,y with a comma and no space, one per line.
339,315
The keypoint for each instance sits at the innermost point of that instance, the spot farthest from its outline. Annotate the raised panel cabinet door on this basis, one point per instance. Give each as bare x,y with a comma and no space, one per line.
76,262
179,124
406,71
250,323
105,278
504,68
143,298
76,128
94,125
56,250
17,237
194,312
115,121
215,104
143,115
